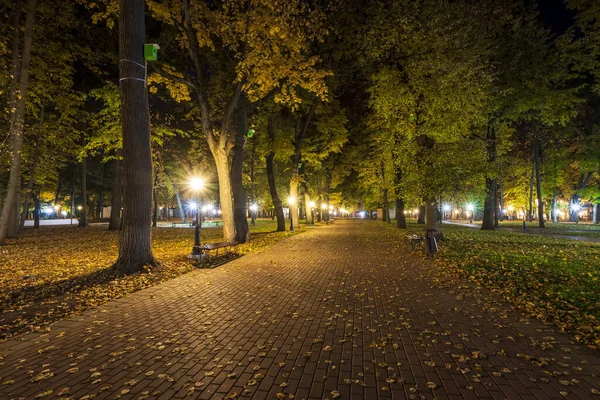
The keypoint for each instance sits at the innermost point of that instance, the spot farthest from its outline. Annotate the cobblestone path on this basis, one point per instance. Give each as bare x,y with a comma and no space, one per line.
337,312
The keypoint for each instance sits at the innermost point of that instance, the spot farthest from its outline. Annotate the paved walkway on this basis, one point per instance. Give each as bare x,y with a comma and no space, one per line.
341,311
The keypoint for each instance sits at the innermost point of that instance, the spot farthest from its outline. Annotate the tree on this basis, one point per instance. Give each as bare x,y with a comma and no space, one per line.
18,97
135,250
238,50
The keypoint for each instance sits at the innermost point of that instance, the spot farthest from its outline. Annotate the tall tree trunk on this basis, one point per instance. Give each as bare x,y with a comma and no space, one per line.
277,203
83,219
538,181
431,212
597,213
32,167
115,198
155,200
135,249
37,208
421,216
242,232
222,163
10,205
530,211
488,221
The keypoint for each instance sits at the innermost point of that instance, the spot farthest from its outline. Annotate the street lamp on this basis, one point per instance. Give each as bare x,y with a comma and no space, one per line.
470,207
291,201
311,204
253,210
196,185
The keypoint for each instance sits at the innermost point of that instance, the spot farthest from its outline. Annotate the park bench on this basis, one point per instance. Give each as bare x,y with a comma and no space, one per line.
208,248
176,225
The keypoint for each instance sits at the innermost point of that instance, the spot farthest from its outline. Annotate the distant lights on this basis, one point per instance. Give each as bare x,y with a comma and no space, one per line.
254,207
575,207
192,205
447,207
470,207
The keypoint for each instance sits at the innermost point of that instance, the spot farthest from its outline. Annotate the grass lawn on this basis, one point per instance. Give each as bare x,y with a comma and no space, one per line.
555,279
561,228
52,272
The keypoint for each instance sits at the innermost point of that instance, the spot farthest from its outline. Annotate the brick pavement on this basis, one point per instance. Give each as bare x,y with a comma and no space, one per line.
337,312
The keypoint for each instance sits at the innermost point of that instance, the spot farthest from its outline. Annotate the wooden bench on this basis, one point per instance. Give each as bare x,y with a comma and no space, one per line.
216,246
176,225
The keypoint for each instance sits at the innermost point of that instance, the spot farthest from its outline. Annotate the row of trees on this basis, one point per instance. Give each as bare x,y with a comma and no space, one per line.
364,105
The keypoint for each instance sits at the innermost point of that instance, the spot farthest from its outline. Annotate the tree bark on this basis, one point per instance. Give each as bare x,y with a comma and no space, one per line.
530,211
400,219
135,249
115,199
242,232
10,205
597,213
501,199
488,222
538,181
421,216
270,161
223,173
155,200
32,167
83,222
37,207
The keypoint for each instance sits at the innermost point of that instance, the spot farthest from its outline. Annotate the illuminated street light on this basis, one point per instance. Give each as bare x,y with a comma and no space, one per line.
470,207
291,202
575,207
196,185
447,207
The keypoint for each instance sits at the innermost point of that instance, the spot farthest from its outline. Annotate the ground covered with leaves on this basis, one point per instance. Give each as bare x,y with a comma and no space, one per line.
561,228
53,272
554,279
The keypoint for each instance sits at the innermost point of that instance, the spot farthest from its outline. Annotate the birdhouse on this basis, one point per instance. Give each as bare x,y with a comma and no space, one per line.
151,51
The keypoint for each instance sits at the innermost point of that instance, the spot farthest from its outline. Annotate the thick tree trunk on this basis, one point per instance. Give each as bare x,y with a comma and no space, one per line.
100,200
242,232
488,222
421,216
431,211
223,173
115,199
83,219
10,205
155,201
135,249
597,213
538,181
489,205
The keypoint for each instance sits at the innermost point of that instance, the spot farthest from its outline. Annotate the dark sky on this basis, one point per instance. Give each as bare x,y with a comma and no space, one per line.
556,15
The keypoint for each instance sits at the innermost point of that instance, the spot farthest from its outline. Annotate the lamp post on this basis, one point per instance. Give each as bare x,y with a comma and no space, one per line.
312,211
253,210
196,185
291,201
470,209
